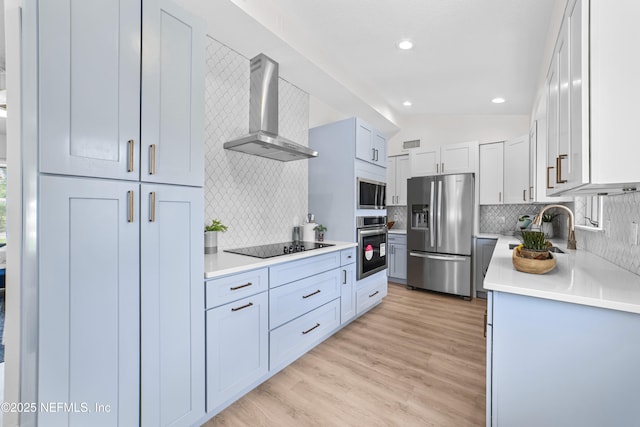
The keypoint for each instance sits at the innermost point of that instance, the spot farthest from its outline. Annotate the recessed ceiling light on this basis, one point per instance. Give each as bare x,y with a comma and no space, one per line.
407,103
405,44
498,100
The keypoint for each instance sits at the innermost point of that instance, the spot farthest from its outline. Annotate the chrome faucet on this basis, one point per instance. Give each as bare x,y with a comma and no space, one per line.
571,241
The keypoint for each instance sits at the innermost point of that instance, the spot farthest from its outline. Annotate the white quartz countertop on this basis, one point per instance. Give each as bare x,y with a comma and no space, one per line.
223,263
579,277
397,231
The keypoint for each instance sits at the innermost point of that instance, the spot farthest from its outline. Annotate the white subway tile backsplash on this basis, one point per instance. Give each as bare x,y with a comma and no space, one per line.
257,198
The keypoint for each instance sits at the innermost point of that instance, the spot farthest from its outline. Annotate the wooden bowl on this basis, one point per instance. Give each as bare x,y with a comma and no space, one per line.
533,266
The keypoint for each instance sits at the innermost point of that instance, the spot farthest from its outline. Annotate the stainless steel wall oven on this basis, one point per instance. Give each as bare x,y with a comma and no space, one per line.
372,245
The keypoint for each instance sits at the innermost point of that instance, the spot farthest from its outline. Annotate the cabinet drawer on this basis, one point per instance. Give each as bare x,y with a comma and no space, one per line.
347,256
369,295
294,299
237,348
295,338
230,288
398,239
296,270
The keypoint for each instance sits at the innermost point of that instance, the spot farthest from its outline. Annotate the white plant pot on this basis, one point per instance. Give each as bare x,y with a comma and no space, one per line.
210,242
547,229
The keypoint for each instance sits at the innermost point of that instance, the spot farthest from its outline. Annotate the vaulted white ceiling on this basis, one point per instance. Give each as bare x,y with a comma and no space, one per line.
344,51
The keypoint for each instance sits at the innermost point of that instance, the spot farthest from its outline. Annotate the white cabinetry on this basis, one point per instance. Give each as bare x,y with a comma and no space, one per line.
371,145
516,170
592,91
491,173
397,174
445,159
397,257
504,172
130,331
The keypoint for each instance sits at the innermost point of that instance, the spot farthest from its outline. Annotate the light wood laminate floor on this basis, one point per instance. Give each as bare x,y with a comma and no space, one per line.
417,359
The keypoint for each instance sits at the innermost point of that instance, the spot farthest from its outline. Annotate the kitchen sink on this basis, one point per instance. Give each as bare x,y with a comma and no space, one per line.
554,249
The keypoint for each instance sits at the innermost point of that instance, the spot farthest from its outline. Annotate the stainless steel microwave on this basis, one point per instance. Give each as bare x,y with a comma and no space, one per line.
371,194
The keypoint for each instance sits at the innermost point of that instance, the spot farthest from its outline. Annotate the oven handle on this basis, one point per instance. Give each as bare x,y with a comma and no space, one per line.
439,257
372,231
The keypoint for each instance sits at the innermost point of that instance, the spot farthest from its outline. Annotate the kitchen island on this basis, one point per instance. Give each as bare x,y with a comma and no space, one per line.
562,347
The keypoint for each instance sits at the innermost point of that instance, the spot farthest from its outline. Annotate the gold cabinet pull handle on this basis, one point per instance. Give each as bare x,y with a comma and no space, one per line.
548,169
130,207
309,330
374,294
131,153
311,294
152,163
559,159
152,202
235,288
242,307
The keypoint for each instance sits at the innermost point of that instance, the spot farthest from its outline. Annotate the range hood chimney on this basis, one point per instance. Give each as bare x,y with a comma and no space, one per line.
263,139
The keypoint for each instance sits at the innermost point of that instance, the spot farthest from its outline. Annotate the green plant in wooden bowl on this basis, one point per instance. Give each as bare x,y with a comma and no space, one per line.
533,255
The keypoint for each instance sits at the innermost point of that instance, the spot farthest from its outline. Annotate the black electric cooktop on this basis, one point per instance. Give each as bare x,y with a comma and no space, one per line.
277,249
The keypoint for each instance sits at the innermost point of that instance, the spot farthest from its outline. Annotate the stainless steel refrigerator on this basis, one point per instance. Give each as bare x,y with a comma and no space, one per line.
440,233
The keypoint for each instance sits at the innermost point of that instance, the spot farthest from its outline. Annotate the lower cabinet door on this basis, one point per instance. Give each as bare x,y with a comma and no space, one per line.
348,293
237,348
172,305
89,336
370,294
293,339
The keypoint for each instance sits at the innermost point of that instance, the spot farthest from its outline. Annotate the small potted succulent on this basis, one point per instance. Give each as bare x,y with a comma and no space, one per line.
320,230
211,236
547,224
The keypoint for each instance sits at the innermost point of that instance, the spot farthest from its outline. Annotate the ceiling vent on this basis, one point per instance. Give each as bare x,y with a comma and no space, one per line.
411,144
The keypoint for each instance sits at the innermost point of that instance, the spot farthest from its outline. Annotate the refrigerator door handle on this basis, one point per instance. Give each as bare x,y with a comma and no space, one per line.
439,213
431,223
439,257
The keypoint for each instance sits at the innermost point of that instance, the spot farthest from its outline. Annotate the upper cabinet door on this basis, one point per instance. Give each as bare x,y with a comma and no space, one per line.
458,158
516,170
89,79
380,147
172,95
364,142
425,161
172,310
491,173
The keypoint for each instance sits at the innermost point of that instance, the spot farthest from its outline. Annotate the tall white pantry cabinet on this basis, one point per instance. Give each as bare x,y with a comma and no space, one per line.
120,207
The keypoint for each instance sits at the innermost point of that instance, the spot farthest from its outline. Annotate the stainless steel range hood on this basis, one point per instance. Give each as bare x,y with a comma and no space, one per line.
263,139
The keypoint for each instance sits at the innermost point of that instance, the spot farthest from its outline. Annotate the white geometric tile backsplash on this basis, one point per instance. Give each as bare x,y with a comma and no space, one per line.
614,244
258,199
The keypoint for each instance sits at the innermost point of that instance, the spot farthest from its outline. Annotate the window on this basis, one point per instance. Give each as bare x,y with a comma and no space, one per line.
589,211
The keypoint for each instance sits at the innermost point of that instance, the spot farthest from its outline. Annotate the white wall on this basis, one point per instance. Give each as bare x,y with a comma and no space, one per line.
321,113
448,129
